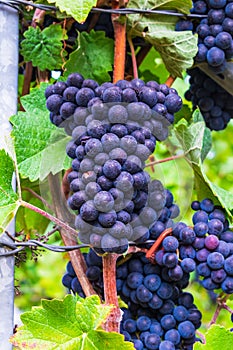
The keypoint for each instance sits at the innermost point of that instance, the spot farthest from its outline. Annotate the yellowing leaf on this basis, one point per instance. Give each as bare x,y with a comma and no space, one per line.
68,324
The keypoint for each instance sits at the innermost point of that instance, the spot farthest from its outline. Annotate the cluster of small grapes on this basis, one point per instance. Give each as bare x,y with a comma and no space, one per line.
93,273
215,43
215,103
114,129
212,246
159,315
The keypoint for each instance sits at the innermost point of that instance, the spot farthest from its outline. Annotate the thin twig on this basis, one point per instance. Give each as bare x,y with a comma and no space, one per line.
151,252
215,315
165,160
50,217
133,56
202,337
140,57
27,80
226,307
36,195
221,300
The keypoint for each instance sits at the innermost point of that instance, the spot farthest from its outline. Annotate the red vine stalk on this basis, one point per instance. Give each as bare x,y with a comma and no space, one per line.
150,253
170,80
120,44
140,57
133,56
110,292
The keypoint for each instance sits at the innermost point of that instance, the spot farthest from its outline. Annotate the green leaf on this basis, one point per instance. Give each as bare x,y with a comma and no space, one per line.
183,6
217,338
8,198
177,49
72,324
93,58
207,189
77,9
44,48
192,139
207,137
40,146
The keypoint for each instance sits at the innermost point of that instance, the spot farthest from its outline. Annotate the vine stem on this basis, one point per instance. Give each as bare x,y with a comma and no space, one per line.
140,57
50,217
221,305
36,195
151,252
133,56
164,160
170,80
202,337
110,292
120,43
67,236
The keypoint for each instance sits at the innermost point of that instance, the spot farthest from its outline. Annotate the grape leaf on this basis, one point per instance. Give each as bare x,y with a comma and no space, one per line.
8,198
77,9
88,60
192,139
177,49
207,137
39,145
183,6
217,337
44,48
72,324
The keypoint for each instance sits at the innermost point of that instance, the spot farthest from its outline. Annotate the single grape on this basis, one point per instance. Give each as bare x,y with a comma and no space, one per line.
186,329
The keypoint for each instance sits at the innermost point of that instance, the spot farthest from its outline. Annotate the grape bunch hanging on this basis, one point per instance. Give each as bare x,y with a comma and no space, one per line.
215,47
114,129
160,314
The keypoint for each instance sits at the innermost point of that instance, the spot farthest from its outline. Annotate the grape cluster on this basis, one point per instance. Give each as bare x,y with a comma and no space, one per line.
212,249
215,44
93,273
215,103
159,315
114,130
